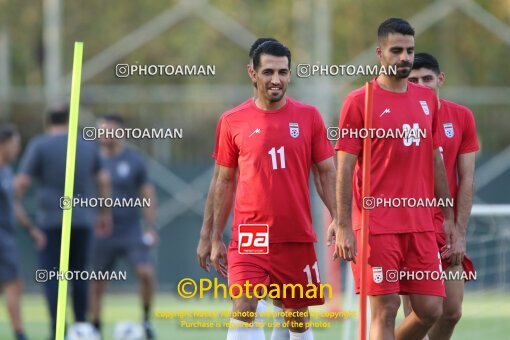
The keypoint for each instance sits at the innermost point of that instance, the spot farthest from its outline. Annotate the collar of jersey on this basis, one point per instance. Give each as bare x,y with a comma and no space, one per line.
284,107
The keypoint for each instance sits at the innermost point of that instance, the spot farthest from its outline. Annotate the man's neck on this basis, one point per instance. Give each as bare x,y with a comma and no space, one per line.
57,129
268,105
392,83
3,161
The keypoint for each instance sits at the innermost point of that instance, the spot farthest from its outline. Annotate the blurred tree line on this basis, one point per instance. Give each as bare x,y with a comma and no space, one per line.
468,53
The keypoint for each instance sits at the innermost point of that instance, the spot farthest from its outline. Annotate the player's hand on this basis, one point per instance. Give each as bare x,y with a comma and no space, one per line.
38,237
204,253
457,250
104,224
219,257
345,244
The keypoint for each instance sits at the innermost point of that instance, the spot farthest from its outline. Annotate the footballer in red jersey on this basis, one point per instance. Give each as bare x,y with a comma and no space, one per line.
401,237
273,142
458,144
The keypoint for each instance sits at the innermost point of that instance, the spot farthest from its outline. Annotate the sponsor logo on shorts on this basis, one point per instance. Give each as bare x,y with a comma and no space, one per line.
377,274
253,239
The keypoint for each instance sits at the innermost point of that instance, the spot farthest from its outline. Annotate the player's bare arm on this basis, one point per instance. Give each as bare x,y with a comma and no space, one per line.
147,191
223,198
204,242
104,218
325,175
318,184
21,184
464,199
441,190
27,224
345,244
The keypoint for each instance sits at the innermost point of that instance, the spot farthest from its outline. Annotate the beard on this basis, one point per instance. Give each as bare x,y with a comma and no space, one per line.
273,98
403,73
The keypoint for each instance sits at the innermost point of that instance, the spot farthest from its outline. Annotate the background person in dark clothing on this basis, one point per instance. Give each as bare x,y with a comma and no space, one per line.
45,162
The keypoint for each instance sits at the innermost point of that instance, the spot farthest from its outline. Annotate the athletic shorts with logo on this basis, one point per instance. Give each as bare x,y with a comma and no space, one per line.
391,254
285,263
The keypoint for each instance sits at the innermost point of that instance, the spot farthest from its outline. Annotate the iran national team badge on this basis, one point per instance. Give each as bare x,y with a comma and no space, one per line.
294,130
253,239
424,107
377,273
448,130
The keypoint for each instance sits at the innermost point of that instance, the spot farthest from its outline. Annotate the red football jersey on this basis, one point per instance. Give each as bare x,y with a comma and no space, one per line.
401,168
274,151
457,135
218,126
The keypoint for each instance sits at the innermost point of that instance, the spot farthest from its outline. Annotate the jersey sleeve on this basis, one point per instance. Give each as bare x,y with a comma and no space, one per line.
217,139
469,139
436,136
321,146
228,152
31,163
351,118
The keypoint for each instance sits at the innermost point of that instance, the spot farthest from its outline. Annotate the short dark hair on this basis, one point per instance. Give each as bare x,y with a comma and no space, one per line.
113,117
426,60
272,48
257,43
7,132
394,25
58,116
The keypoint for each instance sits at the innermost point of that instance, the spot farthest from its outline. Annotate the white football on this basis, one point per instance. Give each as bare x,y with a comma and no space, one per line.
82,331
127,330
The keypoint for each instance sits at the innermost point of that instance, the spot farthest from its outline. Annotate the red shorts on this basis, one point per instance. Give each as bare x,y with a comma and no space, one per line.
467,265
390,255
286,263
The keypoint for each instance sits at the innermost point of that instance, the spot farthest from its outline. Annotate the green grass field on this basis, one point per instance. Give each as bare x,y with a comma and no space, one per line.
486,316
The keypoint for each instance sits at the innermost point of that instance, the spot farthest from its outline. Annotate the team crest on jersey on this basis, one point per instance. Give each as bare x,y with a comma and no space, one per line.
294,130
377,274
448,130
424,107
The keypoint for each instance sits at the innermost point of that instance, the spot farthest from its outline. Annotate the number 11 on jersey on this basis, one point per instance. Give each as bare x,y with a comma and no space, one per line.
281,152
